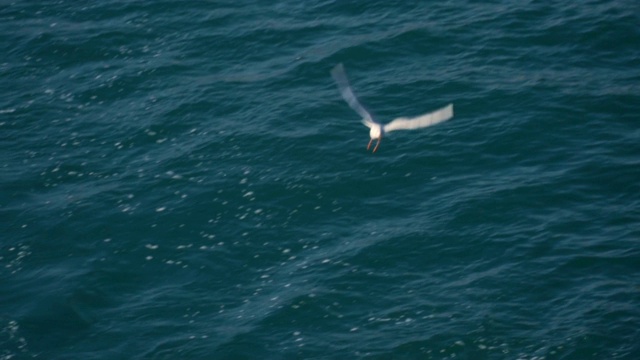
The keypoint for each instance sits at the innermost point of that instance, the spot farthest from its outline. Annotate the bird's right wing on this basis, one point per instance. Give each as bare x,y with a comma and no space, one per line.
421,121
340,77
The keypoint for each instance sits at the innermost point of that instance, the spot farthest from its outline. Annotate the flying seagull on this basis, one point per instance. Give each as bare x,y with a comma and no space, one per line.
377,129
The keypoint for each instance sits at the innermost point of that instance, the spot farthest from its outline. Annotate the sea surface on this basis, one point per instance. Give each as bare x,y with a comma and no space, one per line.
182,180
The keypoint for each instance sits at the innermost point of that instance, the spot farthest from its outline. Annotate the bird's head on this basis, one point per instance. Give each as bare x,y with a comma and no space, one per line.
375,132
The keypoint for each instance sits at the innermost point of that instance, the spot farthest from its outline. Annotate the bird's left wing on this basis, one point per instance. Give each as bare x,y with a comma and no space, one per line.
341,79
421,121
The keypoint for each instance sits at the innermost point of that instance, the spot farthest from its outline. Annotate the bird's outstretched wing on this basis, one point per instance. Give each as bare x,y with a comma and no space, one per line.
421,121
340,77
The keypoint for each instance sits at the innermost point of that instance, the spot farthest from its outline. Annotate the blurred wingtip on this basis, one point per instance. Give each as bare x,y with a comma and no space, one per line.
338,69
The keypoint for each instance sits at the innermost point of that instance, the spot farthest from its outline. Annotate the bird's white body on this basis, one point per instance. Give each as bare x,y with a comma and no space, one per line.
378,130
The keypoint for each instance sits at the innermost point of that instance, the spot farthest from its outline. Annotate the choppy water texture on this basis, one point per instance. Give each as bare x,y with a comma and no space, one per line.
182,180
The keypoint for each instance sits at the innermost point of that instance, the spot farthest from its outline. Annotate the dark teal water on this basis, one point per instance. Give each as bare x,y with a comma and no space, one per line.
182,180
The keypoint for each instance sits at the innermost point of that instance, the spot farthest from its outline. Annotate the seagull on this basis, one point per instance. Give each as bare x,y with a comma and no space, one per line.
377,130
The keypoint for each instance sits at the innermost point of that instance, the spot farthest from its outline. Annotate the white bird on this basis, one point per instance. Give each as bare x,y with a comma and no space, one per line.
378,129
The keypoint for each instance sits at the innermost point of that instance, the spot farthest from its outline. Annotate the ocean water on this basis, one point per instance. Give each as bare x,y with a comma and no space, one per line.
182,180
